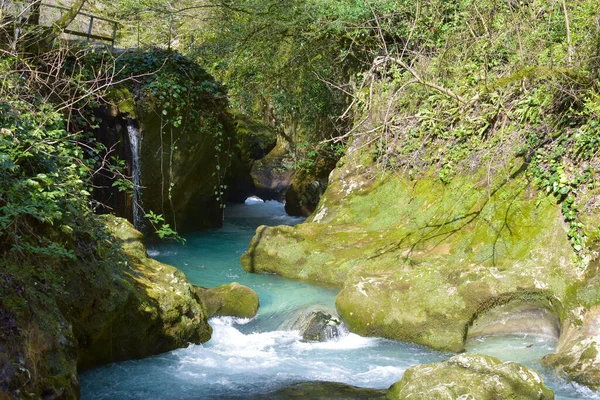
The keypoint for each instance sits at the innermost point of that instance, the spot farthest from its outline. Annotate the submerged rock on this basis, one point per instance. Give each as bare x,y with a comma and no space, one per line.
470,376
232,300
324,391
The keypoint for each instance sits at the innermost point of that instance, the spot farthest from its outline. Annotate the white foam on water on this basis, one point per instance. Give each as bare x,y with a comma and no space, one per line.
349,341
254,200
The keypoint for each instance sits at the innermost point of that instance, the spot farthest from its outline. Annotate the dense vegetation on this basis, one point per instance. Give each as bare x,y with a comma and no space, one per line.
426,84
437,84
436,88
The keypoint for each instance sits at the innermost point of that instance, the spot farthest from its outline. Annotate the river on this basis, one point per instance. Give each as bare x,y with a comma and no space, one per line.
250,358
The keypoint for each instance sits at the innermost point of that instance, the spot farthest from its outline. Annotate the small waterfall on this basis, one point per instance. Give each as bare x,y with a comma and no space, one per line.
134,142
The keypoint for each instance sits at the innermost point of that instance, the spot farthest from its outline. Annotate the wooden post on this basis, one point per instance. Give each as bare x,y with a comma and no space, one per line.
114,35
89,30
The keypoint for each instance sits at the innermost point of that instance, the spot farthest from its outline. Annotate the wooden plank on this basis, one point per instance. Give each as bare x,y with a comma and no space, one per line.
85,35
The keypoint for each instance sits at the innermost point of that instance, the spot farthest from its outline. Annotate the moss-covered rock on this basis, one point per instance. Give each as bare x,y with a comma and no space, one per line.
187,142
578,350
232,300
309,184
255,138
420,260
159,310
470,376
59,317
271,175
181,165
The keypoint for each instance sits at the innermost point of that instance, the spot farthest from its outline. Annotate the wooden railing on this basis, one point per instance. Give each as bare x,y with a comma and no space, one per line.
89,35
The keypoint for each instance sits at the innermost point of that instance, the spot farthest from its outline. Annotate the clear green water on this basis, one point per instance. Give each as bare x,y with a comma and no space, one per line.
247,358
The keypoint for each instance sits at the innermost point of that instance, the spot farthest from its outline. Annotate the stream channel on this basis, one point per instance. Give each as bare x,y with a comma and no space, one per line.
250,358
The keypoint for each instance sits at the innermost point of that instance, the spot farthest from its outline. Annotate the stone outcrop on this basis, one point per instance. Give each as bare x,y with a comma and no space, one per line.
232,300
421,261
112,304
271,175
470,376
304,194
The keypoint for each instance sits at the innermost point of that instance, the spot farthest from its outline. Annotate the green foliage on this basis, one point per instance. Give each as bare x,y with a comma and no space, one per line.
162,229
44,191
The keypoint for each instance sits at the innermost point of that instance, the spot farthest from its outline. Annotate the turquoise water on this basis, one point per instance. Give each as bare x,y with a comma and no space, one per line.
247,358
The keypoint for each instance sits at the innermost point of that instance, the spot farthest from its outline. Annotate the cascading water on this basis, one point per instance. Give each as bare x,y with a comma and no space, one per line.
249,358
134,142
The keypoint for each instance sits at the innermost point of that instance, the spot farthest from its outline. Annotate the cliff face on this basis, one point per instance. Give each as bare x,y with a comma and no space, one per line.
187,148
114,303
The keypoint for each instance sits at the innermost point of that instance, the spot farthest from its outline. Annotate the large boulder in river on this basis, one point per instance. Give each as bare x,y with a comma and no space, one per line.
156,309
470,376
59,317
232,300
316,324
420,260
273,174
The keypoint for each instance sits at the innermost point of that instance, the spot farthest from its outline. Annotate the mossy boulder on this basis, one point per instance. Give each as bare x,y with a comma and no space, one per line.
272,175
255,138
471,376
158,311
179,167
420,260
232,300
187,142
309,184
578,350
59,317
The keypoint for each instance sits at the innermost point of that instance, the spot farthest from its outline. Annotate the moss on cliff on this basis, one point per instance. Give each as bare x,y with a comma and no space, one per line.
112,303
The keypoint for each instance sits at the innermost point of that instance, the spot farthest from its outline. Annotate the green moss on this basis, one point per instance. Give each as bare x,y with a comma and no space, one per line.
418,260
123,100
232,300
470,376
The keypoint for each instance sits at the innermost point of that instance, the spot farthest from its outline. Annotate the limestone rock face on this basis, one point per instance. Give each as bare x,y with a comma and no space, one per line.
256,139
232,300
308,186
179,168
419,260
470,376
577,353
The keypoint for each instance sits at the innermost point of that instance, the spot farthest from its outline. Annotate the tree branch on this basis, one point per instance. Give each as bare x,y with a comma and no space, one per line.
448,92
